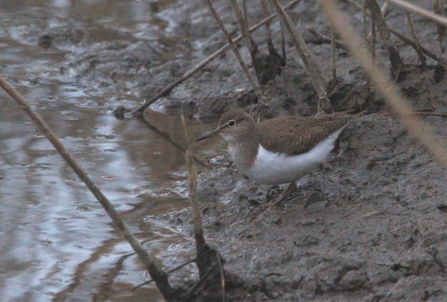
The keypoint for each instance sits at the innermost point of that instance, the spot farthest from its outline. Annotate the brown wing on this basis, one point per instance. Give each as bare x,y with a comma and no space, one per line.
300,134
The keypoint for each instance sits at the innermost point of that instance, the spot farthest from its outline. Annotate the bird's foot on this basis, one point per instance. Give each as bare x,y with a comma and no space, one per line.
275,198
286,194
273,193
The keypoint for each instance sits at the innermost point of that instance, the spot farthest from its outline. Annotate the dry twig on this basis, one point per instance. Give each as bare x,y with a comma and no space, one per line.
418,112
192,180
208,259
416,41
168,272
333,42
222,278
439,9
382,28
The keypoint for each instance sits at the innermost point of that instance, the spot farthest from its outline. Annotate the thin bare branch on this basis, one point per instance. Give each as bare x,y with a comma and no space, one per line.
420,54
222,278
267,25
368,38
244,6
206,257
364,26
192,180
204,278
168,272
439,9
333,50
413,44
385,8
371,36
283,41
382,28
419,113
373,40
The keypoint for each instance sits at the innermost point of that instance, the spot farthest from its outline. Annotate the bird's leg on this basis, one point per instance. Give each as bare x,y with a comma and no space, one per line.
273,193
289,191
286,194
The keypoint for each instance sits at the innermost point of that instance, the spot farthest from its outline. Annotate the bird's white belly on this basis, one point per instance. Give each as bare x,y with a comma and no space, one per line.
276,168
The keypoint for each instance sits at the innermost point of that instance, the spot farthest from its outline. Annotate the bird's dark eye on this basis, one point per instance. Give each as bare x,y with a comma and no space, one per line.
231,123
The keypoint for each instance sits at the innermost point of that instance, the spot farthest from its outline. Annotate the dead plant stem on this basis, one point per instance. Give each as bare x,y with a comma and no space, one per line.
382,28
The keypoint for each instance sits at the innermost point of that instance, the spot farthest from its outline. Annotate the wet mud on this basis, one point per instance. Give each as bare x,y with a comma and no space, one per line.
369,225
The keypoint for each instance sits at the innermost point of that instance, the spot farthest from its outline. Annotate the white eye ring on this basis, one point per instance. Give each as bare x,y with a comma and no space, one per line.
231,123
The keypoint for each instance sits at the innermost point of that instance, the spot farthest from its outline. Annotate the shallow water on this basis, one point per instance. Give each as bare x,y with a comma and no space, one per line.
57,243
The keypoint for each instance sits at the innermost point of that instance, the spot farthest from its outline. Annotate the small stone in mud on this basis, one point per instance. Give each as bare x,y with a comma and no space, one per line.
45,41
442,208
253,202
306,241
439,73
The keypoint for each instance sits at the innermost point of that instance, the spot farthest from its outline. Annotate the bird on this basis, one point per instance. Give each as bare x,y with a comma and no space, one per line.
279,150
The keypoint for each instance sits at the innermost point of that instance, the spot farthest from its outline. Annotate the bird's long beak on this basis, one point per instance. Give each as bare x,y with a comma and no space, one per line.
209,134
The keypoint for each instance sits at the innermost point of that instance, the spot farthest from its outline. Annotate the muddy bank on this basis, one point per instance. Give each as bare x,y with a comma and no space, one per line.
367,226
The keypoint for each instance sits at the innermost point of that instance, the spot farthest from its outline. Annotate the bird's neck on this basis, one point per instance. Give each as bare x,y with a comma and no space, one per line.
244,150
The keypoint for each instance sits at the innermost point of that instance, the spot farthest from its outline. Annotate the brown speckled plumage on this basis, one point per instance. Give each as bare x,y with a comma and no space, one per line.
294,135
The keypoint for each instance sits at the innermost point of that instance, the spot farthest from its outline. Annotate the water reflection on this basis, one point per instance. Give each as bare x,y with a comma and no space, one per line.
57,242
51,224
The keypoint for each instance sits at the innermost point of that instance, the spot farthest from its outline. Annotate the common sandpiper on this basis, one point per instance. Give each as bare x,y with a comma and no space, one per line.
279,150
